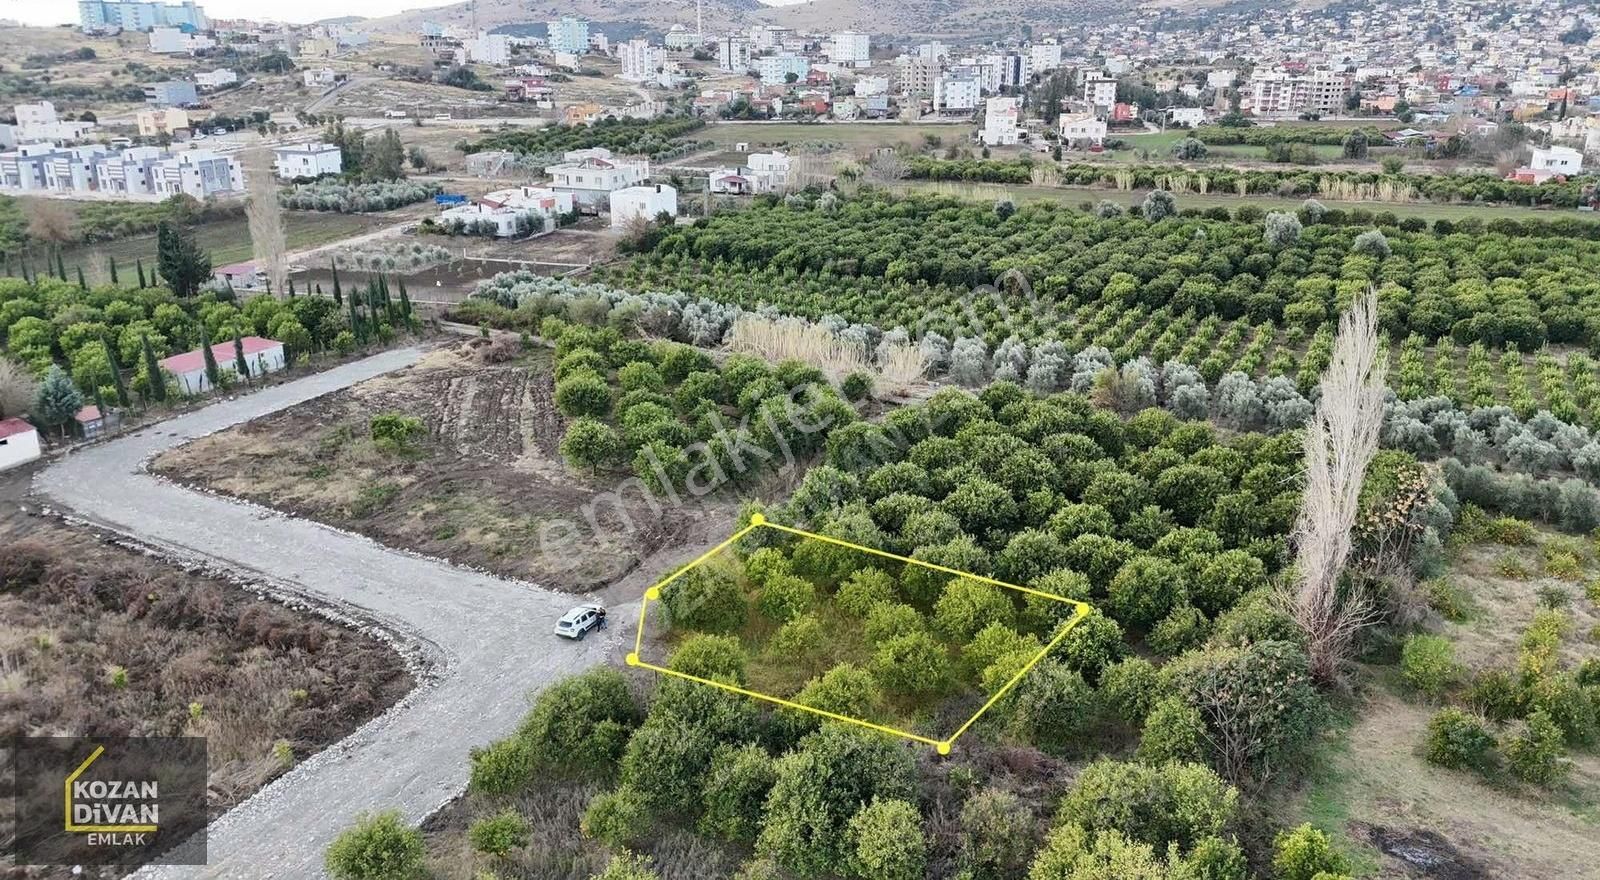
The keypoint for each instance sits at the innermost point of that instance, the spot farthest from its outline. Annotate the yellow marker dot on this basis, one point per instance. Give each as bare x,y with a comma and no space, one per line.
758,519
943,748
653,593
633,658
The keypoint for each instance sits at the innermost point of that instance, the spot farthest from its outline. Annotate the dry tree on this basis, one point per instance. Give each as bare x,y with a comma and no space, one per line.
265,217
1340,441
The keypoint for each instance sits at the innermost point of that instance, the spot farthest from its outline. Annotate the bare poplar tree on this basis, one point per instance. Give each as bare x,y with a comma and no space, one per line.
887,166
266,219
17,389
1341,440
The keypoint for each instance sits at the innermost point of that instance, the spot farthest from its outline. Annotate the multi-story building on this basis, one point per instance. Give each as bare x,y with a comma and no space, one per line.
170,121
956,92
867,86
646,203
1100,91
1043,57
152,172
307,160
487,48
178,41
1000,119
771,170
775,70
569,35
916,75
38,122
733,54
1082,130
1557,160
850,47
1277,93
172,93
49,168
139,15
591,175
640,60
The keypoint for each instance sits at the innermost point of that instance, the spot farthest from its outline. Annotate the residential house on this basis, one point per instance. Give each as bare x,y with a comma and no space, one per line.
1100,91
590,176
517,211
211,80
310,160
19,443
1000,122
642,203
261,356
956,92
1557,160
172,93
169,121
39,122
93,423
1081,130
178,41
321,78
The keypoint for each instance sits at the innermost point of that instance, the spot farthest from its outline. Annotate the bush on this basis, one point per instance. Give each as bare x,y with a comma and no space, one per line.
705,599
394,432
617,819
628,866
1536,755
378,847
590,444
885,842
1304,853
1051,707
1459,741
1273,710
1095,642
1145,589
863,590
1183,629
1130,688
890,619
583,394
710,656
856,386
499,834
579,725
995,834
912,664
1173,731
797,641
1428,664
735,791
502,767
1158,805
786,597
968,606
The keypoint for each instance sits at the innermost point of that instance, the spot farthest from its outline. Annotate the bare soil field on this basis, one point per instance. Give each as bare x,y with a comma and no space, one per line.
1404,817
485,488
100,639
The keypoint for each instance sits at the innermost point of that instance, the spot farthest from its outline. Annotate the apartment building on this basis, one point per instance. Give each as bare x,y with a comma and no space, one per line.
172,93
569,35
956,92
1100,91
39,122
306,160
733,54
1043,57
1000,118
640,60
776,69
916,75
850,47
1282,94
134,15
153,172
49,168
170,121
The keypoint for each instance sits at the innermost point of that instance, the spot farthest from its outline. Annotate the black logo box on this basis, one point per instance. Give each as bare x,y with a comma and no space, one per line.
117,784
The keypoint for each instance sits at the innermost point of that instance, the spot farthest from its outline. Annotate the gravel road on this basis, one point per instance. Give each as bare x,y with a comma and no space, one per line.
485,642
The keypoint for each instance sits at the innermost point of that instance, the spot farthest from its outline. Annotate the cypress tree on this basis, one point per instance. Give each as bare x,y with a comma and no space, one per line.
338,296
239,363
156,389
61,266
291,288
213,374
116,373
138,263
355,319
82,284
114,270
405,303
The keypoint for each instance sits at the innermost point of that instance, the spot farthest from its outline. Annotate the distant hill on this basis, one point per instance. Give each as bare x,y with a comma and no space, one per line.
881,17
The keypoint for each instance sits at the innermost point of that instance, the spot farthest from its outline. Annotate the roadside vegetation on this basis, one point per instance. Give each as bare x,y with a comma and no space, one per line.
655,138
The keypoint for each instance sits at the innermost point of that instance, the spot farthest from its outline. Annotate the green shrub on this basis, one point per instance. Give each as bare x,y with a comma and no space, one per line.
1050,707
1428,664
710,656
1536,755
377,847
1130,688
995,834
912,664
583,393
968,606
395,433
1274,710
617,818
1093,644
1510,531
1158,805
1494,693
735,792
845,689
786,597
856,386
798,640
1145,589
1459,741
890,619
590,444
579,725
884,841
705,599
864,589
764,564
1304,853
1570,705
628,866
640,375
1173,731
502,767
1185,628
499,834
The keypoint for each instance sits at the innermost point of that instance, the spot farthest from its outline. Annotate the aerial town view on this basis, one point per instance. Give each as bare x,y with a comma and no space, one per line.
818,440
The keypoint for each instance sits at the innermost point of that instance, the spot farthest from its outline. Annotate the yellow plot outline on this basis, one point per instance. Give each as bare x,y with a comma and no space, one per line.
758,521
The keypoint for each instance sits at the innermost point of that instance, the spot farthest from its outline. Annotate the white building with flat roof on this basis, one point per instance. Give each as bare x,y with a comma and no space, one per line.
591,175
311,160
568,35
850,47
1100,91
640,60
1000,118
39,122
518,211
776,69
1557,160
643,202
1081,130
1044,57
956,92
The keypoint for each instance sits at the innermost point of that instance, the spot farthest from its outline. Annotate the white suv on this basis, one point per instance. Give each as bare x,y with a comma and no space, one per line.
575,624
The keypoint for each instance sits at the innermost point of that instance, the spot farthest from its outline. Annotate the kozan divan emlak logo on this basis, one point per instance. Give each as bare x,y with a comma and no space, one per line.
126,801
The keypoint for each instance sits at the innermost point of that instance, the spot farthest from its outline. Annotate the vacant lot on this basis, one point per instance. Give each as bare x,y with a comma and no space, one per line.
96,639
228,241
1396,809
854,137
484,487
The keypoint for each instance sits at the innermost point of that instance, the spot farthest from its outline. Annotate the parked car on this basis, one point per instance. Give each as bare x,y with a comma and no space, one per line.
575,624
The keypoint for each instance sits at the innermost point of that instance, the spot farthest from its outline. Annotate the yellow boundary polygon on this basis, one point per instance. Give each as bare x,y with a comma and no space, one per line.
758,521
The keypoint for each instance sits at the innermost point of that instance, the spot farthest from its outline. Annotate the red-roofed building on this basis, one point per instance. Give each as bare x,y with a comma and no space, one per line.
92,422
261,355
19,443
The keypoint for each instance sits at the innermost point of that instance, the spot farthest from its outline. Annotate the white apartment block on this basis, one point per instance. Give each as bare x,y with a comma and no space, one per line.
176,41
774,70
1082,130
592,175
1280,94
733,54
1100,91
640,60
1557,160
1000,122
955,92
1187,116
850,47
38,122
48,168
306,160
568,35
151,172
868,86
1044,57
487,48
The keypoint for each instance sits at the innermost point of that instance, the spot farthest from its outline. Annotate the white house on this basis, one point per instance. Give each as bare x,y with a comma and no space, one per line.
771,169
1044,57
1100,91
215,79
260,355
1188,117
1556,160
592,175
850,47
19,443
307,160
956,93
177,41
38,122
644,202
320,79
1000,122
515,211
1082,130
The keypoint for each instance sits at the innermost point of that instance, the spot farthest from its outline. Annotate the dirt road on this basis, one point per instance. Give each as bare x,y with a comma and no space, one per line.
486,643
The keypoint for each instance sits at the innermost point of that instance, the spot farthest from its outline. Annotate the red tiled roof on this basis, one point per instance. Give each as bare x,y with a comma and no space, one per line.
11,427
89,413
190,361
